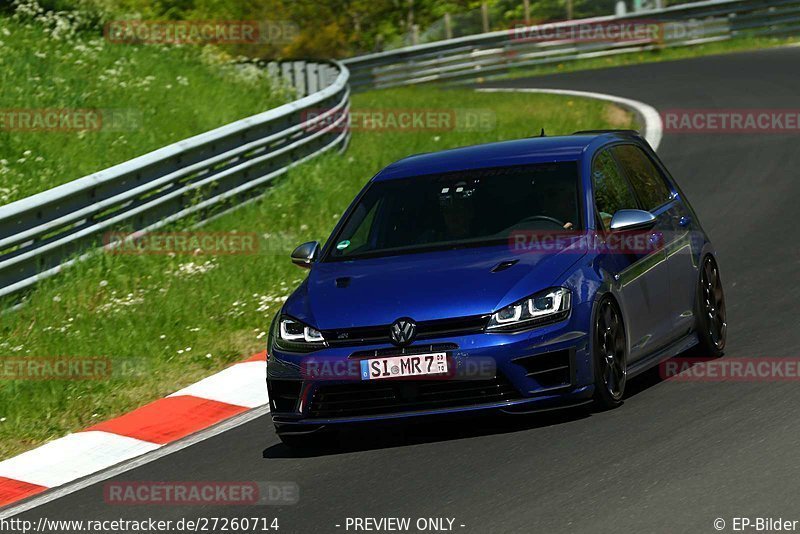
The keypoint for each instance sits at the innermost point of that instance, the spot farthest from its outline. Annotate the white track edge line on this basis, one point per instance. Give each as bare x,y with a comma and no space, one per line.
653,126
90,480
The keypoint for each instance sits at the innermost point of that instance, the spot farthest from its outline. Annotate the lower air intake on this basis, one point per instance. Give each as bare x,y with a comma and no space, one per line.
392,396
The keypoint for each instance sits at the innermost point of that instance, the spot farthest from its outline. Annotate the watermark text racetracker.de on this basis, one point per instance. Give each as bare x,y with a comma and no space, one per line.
460,366
195,243
182,243
609,31
731,121
731,369
201,493
200,32
69,119
72,368
636,242
400,120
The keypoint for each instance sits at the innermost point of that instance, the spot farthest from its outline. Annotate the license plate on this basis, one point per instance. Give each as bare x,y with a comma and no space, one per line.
401,366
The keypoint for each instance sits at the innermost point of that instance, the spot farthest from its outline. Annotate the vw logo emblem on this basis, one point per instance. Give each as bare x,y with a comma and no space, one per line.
403,331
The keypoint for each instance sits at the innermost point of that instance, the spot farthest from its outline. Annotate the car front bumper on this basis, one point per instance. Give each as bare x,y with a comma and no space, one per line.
541,369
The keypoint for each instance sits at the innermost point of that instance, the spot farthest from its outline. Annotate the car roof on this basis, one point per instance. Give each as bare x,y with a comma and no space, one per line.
527,151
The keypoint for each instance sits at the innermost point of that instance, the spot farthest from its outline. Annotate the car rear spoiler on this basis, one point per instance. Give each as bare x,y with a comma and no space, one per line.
598,132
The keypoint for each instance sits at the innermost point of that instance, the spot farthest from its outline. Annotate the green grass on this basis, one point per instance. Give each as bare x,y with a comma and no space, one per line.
179,322
148,96
739,44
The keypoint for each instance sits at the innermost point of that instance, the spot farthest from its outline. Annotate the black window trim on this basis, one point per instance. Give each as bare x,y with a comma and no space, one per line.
657,167
674,187
622,174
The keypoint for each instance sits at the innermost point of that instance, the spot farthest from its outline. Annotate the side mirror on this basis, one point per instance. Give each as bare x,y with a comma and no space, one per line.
306,254
624,220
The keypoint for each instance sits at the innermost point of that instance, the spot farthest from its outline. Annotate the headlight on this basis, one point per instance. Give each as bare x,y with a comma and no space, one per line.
549,306
296,336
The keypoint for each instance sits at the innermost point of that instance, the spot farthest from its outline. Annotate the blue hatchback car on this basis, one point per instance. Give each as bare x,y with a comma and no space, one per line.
511,277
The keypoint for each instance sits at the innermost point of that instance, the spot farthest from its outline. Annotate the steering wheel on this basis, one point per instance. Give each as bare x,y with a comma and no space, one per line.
542,218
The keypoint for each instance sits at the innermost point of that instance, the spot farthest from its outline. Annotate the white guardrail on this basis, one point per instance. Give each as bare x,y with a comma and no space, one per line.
478,57
41,234
200,176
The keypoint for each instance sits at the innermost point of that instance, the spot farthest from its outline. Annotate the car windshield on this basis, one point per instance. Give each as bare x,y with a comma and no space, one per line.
472,208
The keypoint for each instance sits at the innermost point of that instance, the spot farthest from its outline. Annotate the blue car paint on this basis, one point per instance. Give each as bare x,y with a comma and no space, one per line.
459,283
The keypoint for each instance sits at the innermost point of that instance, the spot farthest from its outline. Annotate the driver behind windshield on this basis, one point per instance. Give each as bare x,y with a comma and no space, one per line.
559,203
458,211
474,208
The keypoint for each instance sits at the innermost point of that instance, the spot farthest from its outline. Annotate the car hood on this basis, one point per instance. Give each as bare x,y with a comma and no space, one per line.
423,286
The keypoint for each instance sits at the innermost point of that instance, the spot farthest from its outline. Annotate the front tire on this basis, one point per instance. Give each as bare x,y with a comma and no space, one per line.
610,355
712,326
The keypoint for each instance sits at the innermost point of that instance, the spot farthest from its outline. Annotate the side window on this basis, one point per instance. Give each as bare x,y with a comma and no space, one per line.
644,176
611,189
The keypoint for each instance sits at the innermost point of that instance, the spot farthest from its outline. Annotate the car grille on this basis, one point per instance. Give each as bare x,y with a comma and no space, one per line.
392,396
552,370
377,335
404,351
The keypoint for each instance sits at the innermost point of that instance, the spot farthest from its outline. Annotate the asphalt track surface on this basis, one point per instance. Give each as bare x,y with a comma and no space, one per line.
674,458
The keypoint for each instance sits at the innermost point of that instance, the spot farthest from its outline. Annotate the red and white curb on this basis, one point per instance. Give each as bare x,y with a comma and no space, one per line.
230,392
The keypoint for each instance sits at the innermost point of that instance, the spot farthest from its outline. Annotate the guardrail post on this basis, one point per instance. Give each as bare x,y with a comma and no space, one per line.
273,70
300,77
287,73
312,77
